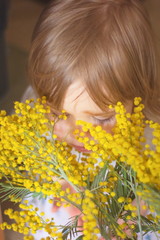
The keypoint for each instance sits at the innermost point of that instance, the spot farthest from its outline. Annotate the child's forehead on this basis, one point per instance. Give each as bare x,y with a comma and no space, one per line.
77,95
77,100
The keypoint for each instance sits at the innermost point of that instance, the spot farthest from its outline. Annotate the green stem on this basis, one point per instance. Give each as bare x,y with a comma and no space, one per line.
139,217
138,208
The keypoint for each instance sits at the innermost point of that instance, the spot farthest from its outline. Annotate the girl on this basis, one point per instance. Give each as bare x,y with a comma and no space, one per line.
88,54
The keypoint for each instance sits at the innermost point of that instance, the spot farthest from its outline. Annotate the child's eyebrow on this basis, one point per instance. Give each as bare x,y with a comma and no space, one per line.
102,114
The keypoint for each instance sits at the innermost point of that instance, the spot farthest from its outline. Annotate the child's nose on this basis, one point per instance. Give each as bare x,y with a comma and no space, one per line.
63,128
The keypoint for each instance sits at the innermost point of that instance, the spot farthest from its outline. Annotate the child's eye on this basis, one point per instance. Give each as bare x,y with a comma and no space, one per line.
102,121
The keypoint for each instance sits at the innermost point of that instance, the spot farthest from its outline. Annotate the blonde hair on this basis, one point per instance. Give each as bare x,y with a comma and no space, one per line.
107,44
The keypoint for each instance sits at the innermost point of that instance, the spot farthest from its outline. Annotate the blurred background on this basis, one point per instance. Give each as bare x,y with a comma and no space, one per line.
18,18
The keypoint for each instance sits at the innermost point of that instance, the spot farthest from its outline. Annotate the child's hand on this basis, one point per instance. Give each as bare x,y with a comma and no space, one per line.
127,230
72,211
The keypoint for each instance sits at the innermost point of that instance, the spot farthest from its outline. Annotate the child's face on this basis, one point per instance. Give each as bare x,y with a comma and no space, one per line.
79,106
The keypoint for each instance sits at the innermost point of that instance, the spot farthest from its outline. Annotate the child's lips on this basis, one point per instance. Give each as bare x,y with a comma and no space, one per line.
80,148
77,147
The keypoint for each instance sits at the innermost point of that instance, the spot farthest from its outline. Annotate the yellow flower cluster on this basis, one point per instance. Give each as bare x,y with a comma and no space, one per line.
127,143
29,220
90,228
101,184
25,152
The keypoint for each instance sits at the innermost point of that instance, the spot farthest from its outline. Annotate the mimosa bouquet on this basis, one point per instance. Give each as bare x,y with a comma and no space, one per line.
115,187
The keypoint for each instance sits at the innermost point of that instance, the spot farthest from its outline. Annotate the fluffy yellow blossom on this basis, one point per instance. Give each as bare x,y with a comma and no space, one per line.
90,228
101,184
29,220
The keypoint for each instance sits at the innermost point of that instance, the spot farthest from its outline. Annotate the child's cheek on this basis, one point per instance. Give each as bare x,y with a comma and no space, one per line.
109,127
64,129
61,129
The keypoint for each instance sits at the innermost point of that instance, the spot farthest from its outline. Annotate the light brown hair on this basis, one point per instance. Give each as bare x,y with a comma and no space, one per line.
107,44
